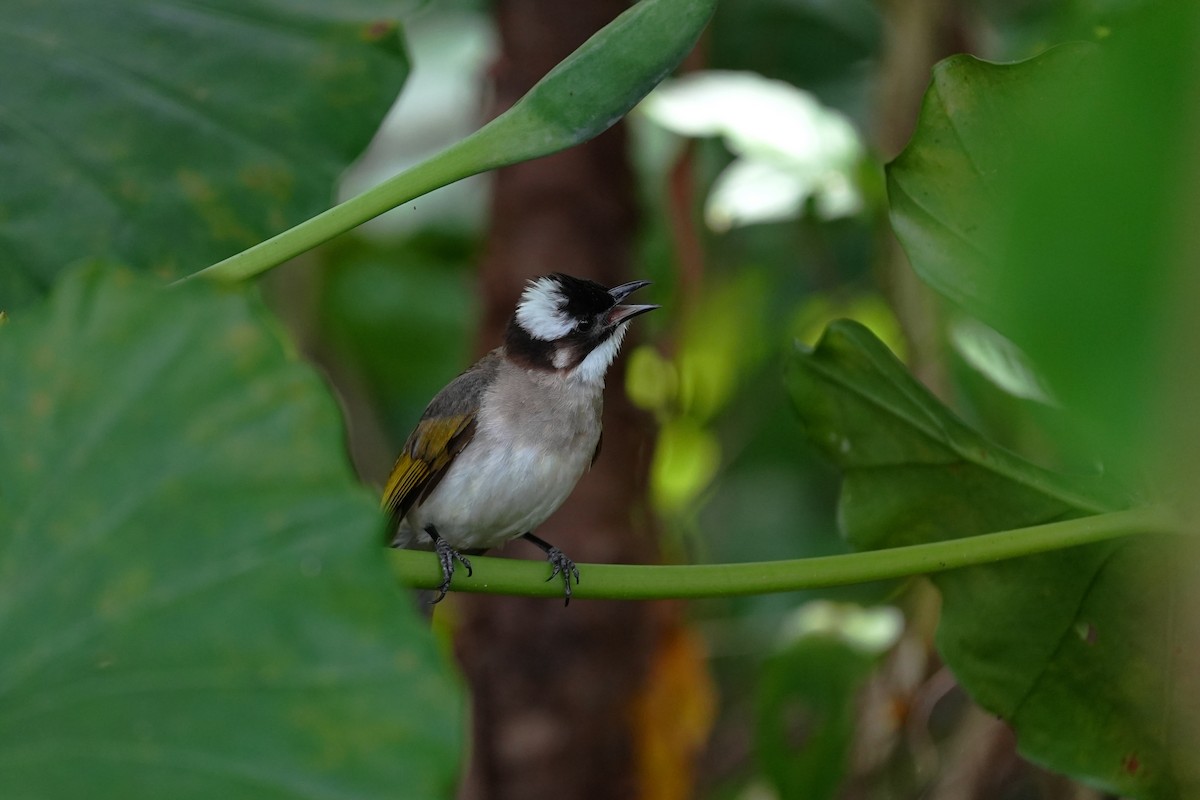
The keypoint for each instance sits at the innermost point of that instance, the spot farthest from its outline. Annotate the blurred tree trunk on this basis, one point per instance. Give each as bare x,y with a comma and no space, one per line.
563,698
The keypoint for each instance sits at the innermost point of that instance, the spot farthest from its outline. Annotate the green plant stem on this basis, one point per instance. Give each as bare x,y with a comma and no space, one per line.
460,160
582,96
637,582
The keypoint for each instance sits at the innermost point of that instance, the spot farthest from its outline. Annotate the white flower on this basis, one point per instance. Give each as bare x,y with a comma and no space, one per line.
788,146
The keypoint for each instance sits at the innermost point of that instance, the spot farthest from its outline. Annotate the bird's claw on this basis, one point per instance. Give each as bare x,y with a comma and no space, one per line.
565,567
447,555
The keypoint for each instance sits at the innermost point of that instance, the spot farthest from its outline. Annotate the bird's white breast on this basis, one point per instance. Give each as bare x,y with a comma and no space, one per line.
535,437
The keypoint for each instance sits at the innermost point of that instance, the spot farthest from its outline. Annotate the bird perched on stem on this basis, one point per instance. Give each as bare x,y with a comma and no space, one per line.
503,445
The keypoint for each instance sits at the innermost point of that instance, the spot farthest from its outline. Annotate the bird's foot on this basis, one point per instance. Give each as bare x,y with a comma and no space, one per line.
562,565
565,567
447,555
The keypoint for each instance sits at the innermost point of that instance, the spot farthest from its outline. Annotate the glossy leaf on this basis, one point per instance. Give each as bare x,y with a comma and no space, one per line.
580,98
166,134
193,602
1083,651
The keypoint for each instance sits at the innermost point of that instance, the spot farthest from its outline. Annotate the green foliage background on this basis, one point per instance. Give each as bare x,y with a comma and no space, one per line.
192,600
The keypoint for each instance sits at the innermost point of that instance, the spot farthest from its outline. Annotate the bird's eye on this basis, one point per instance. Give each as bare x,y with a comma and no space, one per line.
585,325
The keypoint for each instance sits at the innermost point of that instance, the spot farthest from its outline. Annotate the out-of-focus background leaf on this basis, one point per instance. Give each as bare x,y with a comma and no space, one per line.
193,602
1047,197
807,694
168,135
1099,252
944,190
1066,636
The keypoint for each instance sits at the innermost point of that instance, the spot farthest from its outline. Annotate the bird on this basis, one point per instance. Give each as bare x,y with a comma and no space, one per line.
503,445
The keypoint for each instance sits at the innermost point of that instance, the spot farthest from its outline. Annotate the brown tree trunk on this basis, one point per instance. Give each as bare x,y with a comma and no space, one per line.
558,693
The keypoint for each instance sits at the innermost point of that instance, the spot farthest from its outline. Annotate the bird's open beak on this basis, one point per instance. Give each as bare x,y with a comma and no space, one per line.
620,313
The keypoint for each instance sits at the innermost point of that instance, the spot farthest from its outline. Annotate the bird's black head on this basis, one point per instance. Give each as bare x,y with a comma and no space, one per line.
570,324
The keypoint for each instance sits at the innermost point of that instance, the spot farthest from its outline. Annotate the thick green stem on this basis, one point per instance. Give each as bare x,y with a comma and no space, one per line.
634,582
577,100
459,161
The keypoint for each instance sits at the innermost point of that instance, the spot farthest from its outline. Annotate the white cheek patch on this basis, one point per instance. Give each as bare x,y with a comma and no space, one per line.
540,311
597,362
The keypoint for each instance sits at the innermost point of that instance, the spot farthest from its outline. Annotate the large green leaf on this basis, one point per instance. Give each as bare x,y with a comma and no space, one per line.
1048,197
171,134
192,598
1079,650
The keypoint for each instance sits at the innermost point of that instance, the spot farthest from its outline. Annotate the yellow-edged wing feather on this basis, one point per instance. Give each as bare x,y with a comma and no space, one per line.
424,459
444,430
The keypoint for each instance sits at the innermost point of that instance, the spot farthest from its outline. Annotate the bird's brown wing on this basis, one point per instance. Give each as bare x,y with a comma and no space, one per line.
445,429
424,459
